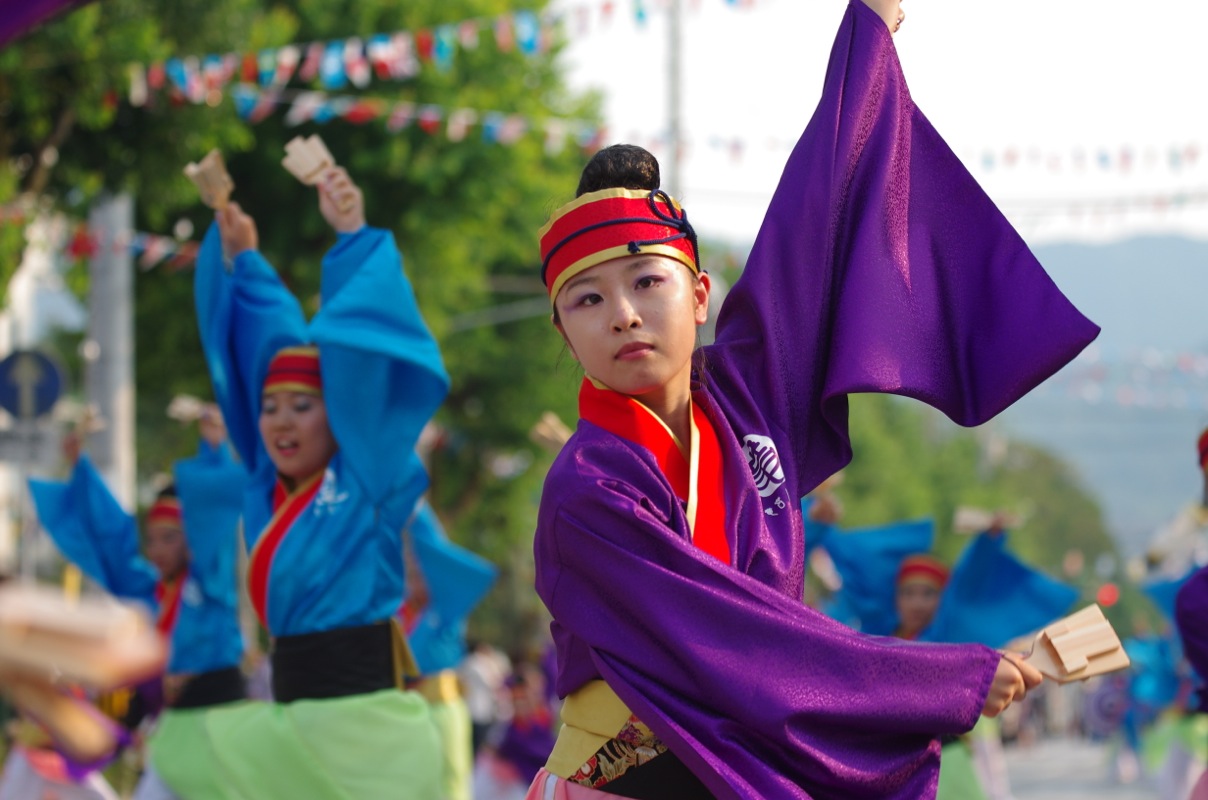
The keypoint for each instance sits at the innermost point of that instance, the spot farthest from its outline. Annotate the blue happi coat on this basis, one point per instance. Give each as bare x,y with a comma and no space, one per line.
93,532
457,581
991,598
341,563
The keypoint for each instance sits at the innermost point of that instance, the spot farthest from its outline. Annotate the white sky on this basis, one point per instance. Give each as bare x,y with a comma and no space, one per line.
1046,78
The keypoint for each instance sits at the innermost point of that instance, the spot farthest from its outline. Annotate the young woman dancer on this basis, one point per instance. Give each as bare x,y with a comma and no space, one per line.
669,540
325,415
185,575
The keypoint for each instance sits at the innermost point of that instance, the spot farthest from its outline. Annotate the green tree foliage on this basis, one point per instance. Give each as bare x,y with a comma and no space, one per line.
66,132
465,214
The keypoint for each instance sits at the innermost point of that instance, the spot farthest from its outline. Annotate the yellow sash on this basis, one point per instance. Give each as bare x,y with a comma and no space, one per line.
590,717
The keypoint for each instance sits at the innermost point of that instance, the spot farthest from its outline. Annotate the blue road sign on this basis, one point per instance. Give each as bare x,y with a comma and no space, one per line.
30,383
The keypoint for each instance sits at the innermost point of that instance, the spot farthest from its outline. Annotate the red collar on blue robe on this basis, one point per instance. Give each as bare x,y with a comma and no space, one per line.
167,595
697,480
286,508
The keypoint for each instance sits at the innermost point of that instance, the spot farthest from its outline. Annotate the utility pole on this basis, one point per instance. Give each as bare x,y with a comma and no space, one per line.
109,348
671,172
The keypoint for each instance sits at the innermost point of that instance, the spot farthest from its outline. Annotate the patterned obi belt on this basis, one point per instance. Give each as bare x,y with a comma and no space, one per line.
602,745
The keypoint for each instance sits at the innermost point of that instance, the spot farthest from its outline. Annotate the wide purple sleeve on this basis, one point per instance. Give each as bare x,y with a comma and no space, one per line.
758,694
1191,616
881,266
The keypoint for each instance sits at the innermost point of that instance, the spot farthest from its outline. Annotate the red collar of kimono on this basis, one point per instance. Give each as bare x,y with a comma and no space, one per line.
697,481
286,508
167,595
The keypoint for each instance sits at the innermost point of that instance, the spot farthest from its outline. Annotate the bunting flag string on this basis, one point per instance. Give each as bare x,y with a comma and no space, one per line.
150,249
337,64
1148,378
255,105
358,60
1173,157
1107,205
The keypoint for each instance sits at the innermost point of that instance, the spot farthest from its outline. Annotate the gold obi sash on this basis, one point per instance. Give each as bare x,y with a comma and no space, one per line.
443,687
591,717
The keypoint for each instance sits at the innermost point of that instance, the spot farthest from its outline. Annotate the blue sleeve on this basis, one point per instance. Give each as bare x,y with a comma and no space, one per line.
383,378
993,597
816,533
211,486
457,581
93,532
867,561
245,315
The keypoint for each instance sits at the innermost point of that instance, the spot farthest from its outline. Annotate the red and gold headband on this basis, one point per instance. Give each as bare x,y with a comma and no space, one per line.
925,568
165,511
295,369
611,223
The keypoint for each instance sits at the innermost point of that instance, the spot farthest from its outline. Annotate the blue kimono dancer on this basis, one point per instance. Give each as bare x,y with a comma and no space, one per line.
991,598
97,535
339,568
457,581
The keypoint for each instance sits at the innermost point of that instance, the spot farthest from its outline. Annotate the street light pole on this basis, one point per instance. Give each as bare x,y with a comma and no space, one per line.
672,176
109,352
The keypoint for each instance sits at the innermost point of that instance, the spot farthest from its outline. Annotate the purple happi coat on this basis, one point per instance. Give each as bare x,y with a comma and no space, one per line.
881,267
1191,616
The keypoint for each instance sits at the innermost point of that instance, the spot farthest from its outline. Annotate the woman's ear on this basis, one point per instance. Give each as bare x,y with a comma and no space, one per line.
700,298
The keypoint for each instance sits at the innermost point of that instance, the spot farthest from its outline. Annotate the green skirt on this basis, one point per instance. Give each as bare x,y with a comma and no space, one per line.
1188,731
958,778
452,719
379,746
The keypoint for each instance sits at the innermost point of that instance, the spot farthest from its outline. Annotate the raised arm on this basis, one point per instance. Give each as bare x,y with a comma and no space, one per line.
881,266
993,597
245,315
93,532
210,486
383,377
456,580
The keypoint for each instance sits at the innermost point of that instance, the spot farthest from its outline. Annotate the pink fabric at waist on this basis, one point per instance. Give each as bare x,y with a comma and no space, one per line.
547,786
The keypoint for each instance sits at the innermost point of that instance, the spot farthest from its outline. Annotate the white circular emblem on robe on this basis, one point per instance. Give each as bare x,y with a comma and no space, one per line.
191,593
764,462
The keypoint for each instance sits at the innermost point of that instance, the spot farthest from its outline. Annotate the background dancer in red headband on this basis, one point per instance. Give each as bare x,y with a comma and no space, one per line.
669,541
185,575
325,415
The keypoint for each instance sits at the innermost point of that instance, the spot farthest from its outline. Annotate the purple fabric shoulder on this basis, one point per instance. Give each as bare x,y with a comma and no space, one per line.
881,266
760,695
1191,616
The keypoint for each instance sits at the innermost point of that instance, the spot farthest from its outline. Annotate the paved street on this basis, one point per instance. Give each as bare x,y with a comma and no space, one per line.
1060,769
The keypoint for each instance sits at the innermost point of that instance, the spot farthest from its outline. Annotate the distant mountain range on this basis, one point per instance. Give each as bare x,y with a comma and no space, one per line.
1147,294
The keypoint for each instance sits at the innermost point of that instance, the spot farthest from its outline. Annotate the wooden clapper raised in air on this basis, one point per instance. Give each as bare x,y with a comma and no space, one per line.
1078,647
213,181
308,159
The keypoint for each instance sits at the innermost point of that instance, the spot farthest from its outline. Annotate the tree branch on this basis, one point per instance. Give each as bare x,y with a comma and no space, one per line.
39,174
